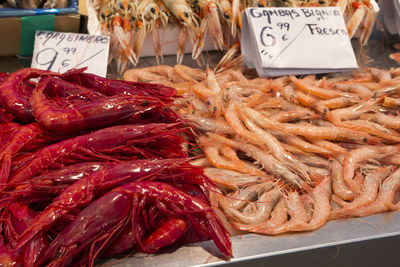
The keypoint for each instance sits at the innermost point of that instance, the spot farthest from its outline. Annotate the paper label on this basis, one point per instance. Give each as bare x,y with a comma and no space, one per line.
61,51
301,40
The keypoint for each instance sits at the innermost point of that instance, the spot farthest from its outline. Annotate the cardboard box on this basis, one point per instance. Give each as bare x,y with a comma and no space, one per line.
10,30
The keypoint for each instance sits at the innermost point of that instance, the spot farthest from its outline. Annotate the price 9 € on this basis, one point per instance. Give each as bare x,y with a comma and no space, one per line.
49,56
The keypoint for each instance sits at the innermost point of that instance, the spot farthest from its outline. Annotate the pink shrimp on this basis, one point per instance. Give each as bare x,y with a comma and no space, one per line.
373,129
355,157
92,114
303,145
190,74
316,91
339,186
321,197
272,143
211,150
381,75
389,121
294,115
333,147
391,102
309,131
298,217
108,214
262,208
278,217
209,124
338,115
383,202
359,89
232,179
340,102
105,141
269,163
370,188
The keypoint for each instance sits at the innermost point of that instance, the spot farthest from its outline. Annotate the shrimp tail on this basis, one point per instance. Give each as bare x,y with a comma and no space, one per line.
199,39
180,52
236,17
157,46
227,59
124,39
214,25
354,23
139,41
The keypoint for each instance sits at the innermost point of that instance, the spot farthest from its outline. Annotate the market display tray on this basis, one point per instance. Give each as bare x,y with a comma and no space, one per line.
357,241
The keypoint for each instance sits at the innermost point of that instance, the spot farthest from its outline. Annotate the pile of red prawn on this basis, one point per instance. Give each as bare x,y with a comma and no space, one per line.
92,168
289,154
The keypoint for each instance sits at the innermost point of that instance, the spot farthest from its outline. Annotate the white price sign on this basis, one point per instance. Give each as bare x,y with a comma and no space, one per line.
280,41
61,51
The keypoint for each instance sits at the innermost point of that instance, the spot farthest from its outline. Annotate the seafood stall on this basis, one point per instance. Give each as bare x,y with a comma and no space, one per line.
180,156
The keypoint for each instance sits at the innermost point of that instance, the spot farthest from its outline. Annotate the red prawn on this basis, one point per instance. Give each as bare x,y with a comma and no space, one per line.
22,217
97,224
15,93
24,136
87,115
97,144
83,191
111,87
49,185
65,89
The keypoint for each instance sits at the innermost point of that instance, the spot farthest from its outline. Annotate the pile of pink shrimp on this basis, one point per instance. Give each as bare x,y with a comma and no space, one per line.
288,154
93,168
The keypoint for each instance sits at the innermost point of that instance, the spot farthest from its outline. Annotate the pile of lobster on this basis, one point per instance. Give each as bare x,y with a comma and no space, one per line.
91,168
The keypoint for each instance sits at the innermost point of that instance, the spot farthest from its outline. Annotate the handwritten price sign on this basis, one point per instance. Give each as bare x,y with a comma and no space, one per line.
280,41
59,52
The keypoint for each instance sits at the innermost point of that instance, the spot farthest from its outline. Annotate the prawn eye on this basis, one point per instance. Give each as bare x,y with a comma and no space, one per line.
133,18
226,15
321,2
186,14
260,4
103,16
121,6
153,10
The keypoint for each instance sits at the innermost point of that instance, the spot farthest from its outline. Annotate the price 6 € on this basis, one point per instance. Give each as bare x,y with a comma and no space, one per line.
48,56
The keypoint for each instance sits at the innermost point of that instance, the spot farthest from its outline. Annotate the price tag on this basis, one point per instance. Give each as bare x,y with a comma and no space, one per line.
61,51
280,41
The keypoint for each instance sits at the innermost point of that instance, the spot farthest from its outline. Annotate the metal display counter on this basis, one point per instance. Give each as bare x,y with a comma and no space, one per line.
368,241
